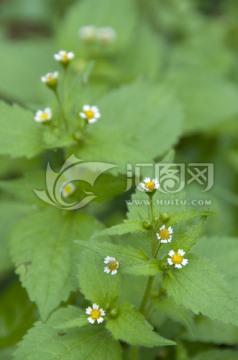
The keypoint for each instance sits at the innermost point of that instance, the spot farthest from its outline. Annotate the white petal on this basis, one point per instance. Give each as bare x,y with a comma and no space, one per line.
92,321
102,312
170,230
95,306
107,270
86,107
88,310
91,121
114,272
170,261
147,179
82,115
178,266
158,236
171,253
184,262
100,320
162,227
181,252
164,241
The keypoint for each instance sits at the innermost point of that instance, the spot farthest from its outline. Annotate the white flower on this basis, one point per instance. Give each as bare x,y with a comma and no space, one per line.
50,79
42,116
96,314
88,33
68,189
112,265
64,57
106,35
149,185
90,113
177,259
165,234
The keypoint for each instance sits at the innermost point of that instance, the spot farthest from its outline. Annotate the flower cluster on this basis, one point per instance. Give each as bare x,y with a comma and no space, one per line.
68,189
90,113
112,265
177,259
64,57
149,185
43,116
95,314
92,33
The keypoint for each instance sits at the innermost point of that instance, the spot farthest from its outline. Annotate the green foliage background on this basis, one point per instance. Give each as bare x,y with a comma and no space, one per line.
167,89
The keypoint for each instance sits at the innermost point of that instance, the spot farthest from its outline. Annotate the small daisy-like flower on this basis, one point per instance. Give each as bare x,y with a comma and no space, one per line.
88,33
64,57
106,35
112,265
177,258
149,185
90,113
68,189
42,116
96,314
165,234
50,79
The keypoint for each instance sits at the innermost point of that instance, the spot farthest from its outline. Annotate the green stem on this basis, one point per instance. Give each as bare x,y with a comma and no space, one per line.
61,109
134,353
146,295
152,208
157,250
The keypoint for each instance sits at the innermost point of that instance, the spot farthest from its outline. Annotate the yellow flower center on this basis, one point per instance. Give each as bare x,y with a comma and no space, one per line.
64,57
177,258
95,314
150,185
164,234
44,116
89,114
113,266
68,189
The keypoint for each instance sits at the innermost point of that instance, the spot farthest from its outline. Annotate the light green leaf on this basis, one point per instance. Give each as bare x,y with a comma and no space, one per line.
132,261
174,311
69,318
153,114
10,212
22,82
223,252
197,286
46,257
218,354
20,135
94,283
43,341
130,326
212,331
127,227
208,99
188,215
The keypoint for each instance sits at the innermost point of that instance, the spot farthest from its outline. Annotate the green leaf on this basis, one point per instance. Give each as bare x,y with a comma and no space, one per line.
174,311
150,107
197,286
218,354
46,257
187,234
208,99
222,251
20,135
69,318
212,331
188,215
127,227
97,286
17,315
132,261
130,326
43,341
22,82
10,213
